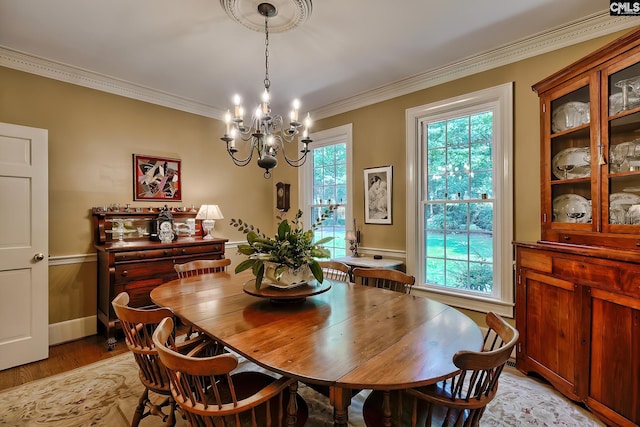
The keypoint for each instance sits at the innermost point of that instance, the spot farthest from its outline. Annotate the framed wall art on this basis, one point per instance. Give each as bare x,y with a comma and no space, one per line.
156,178
378,186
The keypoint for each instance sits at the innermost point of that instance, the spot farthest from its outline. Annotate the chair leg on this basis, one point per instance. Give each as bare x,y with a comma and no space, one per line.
292,407
142,404
171,419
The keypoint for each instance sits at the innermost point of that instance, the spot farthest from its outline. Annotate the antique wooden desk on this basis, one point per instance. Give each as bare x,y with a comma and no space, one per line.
350,337
137,264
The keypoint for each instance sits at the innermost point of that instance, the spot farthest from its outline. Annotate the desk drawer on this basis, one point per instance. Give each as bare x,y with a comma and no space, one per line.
585,272
196,250
146,254
536,260
168,252
132,271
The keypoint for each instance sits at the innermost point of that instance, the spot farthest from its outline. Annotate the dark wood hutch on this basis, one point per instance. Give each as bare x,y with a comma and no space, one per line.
578,288
129,260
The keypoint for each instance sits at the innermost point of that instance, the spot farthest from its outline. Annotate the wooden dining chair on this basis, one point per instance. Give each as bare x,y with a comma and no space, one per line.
201,266
384,278
456,401
211,394
138,326
198,267
335,270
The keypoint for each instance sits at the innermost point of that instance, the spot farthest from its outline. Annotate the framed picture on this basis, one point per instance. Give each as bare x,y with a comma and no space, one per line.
156,178
378,186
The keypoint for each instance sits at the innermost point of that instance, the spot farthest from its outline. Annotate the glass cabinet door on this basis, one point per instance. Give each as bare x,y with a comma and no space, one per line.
621,138
571,158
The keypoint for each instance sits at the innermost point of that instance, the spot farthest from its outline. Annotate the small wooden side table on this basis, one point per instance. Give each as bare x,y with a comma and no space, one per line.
368,262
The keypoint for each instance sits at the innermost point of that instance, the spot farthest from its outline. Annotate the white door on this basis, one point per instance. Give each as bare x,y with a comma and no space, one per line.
24,245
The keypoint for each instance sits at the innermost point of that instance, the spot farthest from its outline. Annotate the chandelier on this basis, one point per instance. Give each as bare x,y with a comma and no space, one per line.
265,134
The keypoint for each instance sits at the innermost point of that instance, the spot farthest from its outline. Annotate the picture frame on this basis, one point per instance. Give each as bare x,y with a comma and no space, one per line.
157,178
378,189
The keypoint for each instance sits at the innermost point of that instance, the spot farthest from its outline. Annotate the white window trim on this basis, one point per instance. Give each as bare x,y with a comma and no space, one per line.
502,96
322,138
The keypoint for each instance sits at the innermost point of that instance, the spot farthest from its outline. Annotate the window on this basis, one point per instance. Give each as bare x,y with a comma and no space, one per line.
325,180
459,210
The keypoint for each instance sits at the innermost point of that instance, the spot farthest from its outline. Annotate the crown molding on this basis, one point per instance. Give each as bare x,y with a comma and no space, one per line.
594,26
54,70
589,28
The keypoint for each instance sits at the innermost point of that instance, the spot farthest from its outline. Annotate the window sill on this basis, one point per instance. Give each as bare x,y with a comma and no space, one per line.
469,302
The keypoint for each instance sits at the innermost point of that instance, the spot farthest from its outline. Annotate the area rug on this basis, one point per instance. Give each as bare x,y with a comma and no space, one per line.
105,394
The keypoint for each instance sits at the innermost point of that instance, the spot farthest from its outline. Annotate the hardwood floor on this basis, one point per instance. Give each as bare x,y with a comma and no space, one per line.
62,357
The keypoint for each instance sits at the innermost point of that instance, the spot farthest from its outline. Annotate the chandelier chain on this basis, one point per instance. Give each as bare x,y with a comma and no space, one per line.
267,82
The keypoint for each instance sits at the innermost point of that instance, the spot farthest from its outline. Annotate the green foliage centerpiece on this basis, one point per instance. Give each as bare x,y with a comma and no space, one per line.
290,251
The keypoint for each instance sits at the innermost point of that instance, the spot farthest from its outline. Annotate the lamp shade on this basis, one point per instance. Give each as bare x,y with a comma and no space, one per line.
209,212
351,235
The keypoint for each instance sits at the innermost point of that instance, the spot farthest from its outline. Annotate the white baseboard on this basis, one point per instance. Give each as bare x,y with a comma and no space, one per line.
74,329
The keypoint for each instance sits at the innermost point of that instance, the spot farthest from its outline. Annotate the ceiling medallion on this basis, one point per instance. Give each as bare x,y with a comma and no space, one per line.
291,13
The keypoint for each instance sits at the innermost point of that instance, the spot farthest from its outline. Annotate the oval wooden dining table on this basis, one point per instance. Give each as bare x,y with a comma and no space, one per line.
347,337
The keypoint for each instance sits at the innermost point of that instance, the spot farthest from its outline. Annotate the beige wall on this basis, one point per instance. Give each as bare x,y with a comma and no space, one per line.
92,136
379,139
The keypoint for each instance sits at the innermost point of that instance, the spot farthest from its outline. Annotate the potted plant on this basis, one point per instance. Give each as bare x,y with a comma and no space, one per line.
289,257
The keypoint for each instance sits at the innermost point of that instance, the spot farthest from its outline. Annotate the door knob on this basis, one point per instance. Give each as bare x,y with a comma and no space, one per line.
38,257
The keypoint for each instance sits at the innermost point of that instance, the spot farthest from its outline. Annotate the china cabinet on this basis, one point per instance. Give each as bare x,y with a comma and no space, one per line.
137,249
578,288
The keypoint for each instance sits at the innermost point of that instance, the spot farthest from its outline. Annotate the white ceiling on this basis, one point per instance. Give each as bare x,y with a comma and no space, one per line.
192,51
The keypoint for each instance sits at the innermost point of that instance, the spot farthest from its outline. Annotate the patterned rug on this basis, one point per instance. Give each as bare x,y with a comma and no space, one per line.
105,394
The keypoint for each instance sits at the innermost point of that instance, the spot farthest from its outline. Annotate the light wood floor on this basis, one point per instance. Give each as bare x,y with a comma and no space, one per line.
62,357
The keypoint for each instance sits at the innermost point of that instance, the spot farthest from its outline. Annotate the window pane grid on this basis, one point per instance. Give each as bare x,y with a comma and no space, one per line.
458,210
329,187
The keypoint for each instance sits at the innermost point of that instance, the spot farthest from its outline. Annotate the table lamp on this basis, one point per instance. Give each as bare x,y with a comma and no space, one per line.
208,214
353,236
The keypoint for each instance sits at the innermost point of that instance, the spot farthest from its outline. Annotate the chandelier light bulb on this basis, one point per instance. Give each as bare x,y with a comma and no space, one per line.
265,102
296,109
238,107
227,120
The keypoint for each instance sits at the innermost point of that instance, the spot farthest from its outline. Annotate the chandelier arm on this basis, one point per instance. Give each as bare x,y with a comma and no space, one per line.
246,136
295,162
241,162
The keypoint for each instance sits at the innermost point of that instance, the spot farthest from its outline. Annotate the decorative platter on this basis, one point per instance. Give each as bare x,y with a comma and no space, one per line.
287,294
570,115
571,208
267,282
574,162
